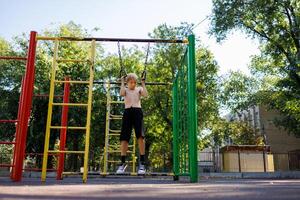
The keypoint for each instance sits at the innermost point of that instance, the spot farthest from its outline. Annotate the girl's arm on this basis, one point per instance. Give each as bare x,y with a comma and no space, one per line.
122,90
144,91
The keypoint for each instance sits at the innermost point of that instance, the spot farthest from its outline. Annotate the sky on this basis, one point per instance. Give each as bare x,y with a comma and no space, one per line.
126,19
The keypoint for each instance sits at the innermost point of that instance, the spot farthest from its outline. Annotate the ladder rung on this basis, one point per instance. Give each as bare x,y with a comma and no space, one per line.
114,131
7,142
72,81
114,134
68,127
70,104
116,118
116,161
116,115
71,60
116,101
57,151
8,121
6,165
117,151
118,146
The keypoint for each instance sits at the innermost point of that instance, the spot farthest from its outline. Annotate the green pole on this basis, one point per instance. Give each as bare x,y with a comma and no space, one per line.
192,111
175,130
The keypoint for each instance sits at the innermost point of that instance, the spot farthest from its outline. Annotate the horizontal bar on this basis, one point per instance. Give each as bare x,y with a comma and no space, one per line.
71,60
116,102
118,146
117,151
38,169
114,134
117,161
6,165
68,127
12,58
39,154
47,95
119,83
70,104
114,131
8,143
115,118
8,120
80,82
185,41
75,152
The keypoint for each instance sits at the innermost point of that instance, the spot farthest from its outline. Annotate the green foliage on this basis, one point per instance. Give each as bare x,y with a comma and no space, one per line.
277,68
237,90
238,133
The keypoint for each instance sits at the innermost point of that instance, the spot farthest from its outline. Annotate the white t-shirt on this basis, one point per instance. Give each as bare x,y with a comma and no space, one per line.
132,98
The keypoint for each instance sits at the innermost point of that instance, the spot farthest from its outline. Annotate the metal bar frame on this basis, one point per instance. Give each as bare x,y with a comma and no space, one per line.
13,58
185,132
119,83
27,94
134,40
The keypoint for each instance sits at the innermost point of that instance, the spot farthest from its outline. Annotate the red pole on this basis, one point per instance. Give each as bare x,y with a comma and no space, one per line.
25,108
17,136
63,131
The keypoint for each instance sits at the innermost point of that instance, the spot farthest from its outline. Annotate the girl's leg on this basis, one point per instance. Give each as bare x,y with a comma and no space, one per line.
141,142
124,147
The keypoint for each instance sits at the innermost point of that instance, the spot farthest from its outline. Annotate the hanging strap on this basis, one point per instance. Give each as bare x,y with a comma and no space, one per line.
122,70
144,73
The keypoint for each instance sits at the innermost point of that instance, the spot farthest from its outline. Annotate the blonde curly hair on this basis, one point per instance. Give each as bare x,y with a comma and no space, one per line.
131,76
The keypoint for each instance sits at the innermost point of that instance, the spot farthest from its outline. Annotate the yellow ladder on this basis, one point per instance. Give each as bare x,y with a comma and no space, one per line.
115,148
88,105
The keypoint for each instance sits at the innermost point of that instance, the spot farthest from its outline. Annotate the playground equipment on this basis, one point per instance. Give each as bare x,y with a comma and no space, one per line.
185,117
184,107
112,145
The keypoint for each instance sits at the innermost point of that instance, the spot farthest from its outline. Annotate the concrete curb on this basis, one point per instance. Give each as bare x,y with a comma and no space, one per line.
253,175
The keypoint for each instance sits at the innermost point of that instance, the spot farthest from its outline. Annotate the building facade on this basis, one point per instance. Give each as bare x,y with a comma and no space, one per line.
284,146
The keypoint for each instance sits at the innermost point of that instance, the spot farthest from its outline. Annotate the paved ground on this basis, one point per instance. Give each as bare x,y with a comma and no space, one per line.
150,188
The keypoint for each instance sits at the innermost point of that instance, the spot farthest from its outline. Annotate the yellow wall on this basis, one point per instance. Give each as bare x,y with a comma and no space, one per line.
250,162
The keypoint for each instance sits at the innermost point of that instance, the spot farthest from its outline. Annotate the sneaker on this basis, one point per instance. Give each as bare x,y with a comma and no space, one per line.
121,169
142,169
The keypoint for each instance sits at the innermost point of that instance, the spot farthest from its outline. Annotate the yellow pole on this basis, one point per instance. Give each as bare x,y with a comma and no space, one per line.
89,110
105,154
133,156
49,117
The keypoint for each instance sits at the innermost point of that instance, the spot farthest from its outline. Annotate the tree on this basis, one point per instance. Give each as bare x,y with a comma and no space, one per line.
277,26
237,90
235,132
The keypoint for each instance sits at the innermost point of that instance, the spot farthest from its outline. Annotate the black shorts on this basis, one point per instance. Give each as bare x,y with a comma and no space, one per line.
132,117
